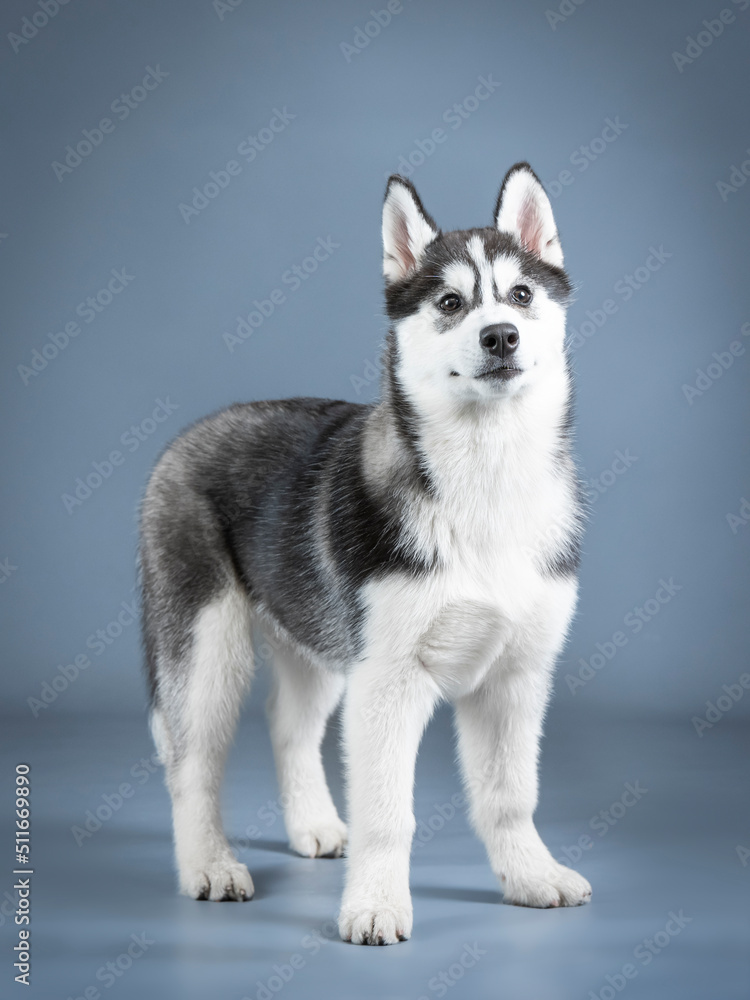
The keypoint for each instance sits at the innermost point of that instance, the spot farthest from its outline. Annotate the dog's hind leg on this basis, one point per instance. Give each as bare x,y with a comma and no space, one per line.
302,699
194,719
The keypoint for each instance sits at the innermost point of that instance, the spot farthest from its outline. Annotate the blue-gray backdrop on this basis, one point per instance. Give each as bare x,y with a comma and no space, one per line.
167,167
191,217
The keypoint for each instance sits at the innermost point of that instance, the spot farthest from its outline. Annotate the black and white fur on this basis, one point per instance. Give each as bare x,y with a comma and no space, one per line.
419,549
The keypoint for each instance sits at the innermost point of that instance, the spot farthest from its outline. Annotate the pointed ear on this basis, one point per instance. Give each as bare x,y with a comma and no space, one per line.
523,209
407,229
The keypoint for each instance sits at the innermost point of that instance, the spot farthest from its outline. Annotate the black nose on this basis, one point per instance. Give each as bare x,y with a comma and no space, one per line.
501,339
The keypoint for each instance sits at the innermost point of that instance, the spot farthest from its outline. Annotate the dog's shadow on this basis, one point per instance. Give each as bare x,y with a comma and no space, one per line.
275,846
457,894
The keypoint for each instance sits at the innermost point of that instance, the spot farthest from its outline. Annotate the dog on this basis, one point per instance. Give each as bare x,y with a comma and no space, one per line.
420,549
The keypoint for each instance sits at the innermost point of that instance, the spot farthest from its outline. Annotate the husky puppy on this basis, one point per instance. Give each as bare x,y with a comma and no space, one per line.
418,549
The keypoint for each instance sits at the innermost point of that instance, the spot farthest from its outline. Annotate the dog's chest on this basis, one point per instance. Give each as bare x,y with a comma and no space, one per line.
488,566
495,544
496,515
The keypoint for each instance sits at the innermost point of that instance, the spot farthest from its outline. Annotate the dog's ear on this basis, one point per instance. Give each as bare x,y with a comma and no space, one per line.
407,229
523,209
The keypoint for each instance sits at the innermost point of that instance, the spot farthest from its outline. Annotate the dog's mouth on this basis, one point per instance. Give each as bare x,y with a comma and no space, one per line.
502,372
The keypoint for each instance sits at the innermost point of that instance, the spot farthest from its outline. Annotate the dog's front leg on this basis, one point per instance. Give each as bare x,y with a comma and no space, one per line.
387,707
499,727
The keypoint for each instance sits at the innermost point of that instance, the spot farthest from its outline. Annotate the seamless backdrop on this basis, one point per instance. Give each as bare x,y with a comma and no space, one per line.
192,217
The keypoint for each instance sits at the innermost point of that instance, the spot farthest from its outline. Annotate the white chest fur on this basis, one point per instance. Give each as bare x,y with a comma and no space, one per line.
502,496
503,490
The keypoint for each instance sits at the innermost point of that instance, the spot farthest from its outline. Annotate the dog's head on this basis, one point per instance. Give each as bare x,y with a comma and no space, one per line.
477,313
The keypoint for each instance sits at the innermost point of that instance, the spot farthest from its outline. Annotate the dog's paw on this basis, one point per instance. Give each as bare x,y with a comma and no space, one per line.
318,839
551,885
375,923
219,881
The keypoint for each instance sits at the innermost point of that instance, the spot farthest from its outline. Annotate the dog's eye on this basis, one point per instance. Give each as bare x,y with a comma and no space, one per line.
521,294
450,303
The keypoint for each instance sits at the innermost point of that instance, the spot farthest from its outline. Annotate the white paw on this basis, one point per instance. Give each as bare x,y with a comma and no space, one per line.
550,885
221,880
318,839
375,923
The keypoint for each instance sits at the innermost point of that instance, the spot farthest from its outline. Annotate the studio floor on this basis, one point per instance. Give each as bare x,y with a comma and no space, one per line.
658,816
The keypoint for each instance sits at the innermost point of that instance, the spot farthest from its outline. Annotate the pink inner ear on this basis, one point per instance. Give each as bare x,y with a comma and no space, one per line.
403,247
530,225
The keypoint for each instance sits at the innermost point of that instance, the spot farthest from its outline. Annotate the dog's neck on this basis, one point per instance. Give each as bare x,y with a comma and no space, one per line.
471,476
450,446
